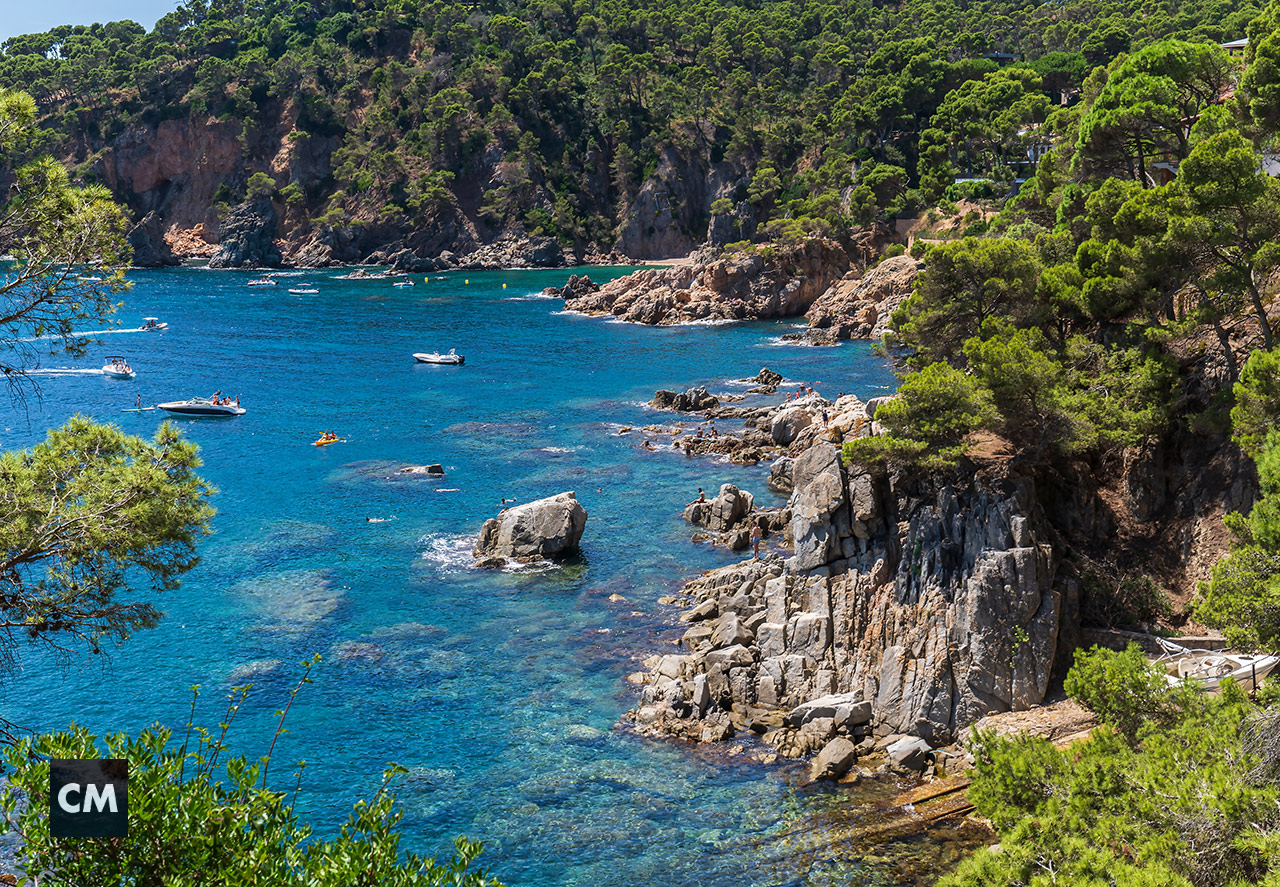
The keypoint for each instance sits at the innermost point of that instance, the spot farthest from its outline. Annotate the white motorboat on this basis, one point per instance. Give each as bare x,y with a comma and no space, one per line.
303,290
1208,668
150,324
201,408
403,283
117,367
262,281
453,358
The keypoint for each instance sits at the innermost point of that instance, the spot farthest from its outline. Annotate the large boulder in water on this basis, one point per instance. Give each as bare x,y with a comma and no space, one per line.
544,528
687,401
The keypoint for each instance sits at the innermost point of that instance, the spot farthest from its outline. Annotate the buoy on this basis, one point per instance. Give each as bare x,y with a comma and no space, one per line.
426,280
466,281
504,286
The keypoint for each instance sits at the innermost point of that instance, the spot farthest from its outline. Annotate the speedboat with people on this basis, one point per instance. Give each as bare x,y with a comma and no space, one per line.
117,367
453,358
403,283
150,324
262,281
203,408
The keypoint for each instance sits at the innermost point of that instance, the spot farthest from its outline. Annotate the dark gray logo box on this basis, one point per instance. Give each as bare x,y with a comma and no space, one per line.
88,798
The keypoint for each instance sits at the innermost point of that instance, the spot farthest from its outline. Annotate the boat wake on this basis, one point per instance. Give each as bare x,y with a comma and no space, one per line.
64,371
82,334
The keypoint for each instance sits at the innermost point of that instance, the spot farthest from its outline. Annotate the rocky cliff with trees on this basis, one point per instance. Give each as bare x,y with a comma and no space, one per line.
644,127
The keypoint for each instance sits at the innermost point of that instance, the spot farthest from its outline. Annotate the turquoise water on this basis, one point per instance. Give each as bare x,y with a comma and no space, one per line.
500,691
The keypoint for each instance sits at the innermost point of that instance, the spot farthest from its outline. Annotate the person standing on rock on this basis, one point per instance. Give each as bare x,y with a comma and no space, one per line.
824,418
757,536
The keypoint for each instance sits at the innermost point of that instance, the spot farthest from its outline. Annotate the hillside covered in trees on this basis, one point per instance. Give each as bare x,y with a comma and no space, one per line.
644,126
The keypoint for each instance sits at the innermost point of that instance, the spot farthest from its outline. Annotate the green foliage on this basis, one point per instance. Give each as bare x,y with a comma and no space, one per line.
927,422
260,185
1011,778
968,288
1122,602
1184,804
84,516
198,814
56,234
593,100
1257,409
1122,689
1242,596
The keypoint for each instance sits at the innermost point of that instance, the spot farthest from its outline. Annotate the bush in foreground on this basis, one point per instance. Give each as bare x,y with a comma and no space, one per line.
196,818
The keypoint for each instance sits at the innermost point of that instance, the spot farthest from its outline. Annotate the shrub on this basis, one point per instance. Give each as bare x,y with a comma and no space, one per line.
196,819
1122,689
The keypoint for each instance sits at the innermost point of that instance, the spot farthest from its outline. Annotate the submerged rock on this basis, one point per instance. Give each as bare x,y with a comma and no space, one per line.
544,528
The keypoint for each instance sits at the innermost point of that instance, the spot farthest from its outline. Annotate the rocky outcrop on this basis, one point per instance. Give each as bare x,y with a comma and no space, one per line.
933,607
722,512
686,401
150,250
859,306
248,237
763,283
538,530
576,287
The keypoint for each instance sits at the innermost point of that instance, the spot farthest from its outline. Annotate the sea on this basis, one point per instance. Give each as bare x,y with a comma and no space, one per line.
502,692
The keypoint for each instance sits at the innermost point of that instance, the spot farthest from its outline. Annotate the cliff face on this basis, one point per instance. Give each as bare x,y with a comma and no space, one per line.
179,169
937,608
173,169
670,215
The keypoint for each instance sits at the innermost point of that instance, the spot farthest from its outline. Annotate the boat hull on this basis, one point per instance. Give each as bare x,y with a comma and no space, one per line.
197,410
455,360
116,374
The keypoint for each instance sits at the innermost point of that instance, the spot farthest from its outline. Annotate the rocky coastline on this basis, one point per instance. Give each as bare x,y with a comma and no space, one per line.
886,614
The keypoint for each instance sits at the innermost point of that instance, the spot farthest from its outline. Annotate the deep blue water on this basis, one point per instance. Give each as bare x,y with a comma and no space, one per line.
499,691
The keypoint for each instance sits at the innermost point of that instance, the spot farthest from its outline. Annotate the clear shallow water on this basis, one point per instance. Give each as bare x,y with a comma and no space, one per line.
499,691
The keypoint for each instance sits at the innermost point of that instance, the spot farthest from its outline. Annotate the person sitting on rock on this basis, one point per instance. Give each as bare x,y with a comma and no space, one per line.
702,497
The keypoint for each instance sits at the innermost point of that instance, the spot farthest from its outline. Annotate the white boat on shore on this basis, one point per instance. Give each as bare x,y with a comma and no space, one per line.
1208,668
117,367
151,324
453,358
201,408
